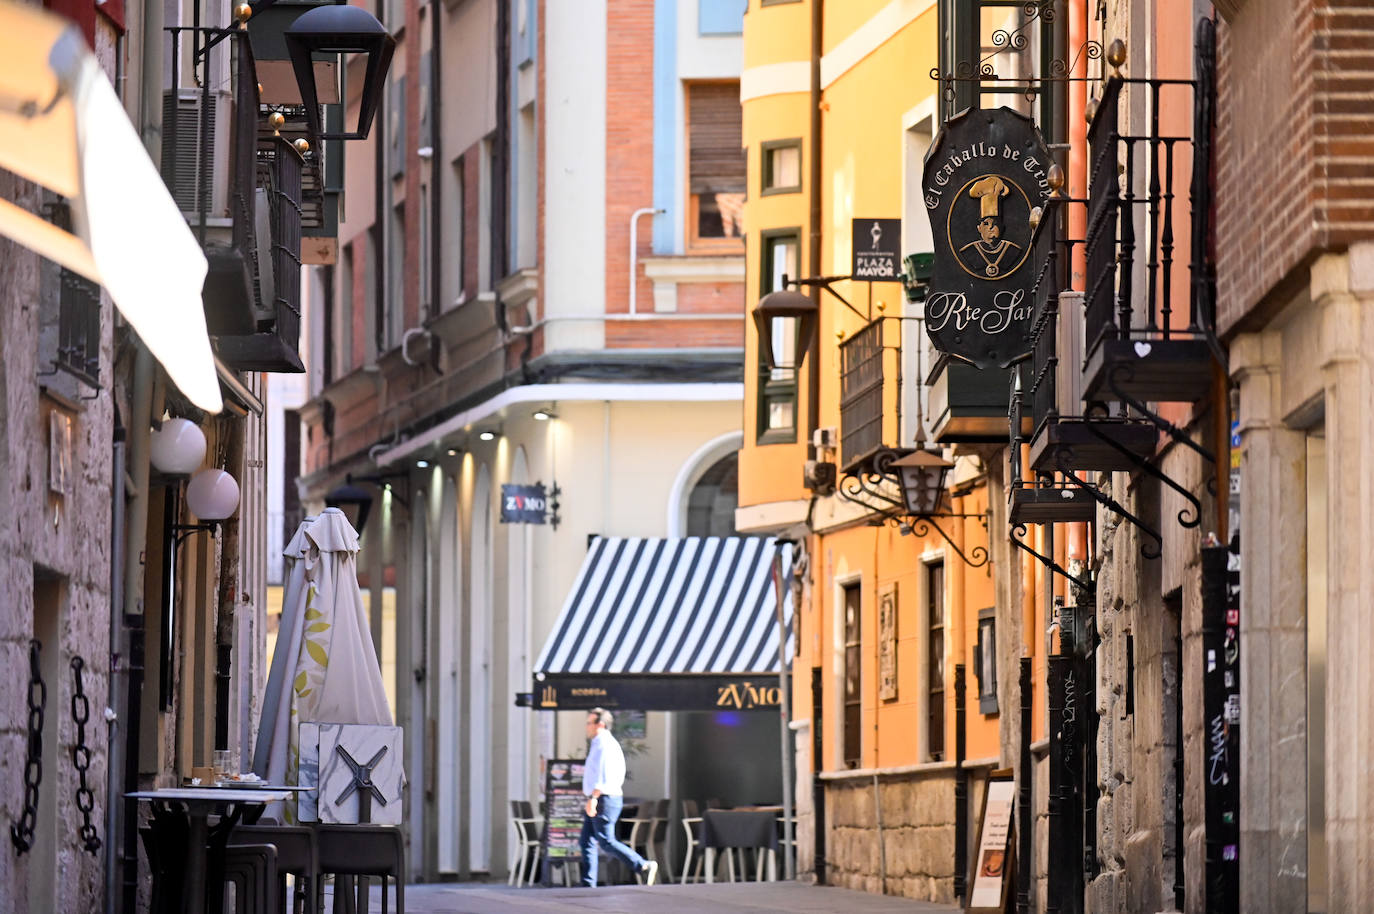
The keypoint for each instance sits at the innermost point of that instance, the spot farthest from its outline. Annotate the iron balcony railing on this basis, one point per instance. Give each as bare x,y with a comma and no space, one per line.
1133,189
861,395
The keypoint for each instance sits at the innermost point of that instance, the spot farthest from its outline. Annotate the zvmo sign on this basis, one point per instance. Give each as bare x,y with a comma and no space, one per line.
745,696
523,504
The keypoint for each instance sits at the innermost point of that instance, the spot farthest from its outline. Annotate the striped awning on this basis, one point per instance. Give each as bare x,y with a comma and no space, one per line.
660,624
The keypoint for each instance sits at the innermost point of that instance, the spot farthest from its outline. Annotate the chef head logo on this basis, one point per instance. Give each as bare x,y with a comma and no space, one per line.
997,209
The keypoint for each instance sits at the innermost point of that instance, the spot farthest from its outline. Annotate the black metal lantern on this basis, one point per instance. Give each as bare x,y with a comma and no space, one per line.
922,474
354,501
787,305
340,29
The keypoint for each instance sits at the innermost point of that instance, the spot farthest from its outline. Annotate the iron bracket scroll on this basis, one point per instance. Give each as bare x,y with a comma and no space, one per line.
1018,531
872,488
1150,552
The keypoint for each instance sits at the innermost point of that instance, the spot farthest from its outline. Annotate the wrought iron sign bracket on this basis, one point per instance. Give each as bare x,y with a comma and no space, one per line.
1019,530
1111,504
182,532
864,489
824,282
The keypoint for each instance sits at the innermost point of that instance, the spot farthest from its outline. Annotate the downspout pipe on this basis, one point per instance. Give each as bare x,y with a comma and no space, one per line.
136,541
634,249
813,357
114,767
436,172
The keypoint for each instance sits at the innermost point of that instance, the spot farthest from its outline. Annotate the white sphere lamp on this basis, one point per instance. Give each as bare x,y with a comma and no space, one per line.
177,448
212,494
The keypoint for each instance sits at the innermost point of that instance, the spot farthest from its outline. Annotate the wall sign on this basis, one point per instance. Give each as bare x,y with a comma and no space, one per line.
877,245
984,174
887,643
990,867
657,692
523,504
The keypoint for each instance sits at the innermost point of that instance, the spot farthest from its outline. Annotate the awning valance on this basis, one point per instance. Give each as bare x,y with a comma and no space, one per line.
669,624
62,126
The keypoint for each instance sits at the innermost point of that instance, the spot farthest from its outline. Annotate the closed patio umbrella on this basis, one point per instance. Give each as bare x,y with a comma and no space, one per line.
269,753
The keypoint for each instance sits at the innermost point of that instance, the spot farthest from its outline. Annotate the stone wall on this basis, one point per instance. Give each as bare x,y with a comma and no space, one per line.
55,547
916,848
1145,606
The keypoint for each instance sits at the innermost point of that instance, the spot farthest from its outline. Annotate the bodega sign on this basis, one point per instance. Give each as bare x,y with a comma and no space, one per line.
984,174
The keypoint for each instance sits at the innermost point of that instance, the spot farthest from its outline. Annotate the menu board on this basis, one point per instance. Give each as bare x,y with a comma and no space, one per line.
994,847
563,805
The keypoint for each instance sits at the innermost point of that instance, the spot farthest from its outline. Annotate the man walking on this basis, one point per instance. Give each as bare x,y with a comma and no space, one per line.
603,781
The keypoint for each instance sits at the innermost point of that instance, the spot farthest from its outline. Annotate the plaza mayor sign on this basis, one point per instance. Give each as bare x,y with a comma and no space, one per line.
984,174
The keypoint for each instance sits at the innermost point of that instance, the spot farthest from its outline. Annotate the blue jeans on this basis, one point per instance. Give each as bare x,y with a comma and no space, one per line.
600,829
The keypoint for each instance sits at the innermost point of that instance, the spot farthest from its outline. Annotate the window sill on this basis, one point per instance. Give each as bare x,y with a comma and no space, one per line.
776,436
776,191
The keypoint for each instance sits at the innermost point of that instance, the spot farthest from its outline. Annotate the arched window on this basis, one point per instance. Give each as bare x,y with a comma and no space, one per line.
711,506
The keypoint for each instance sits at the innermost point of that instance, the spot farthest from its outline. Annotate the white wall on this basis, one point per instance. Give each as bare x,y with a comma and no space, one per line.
575,172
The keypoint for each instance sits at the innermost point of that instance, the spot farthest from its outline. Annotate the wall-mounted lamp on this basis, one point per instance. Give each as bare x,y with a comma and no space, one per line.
454,452
919,476
487,435
212,495
422,464
336,30
545,414
782,317
177,448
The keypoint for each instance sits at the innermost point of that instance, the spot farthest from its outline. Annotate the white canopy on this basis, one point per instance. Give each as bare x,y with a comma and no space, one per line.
62,126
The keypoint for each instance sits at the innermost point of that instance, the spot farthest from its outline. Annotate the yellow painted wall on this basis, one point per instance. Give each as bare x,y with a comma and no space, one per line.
863,113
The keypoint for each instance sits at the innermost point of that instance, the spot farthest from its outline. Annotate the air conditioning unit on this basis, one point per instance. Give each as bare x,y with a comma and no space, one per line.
825,438
819,476
1068,380
195,165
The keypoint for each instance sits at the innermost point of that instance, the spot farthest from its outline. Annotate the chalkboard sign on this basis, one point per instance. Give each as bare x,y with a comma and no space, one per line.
563,806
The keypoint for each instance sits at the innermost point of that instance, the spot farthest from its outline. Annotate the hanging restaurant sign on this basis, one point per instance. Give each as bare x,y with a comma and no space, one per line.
984,174
523,504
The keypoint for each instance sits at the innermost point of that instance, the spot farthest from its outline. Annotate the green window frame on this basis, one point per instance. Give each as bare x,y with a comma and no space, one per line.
777,387
768,176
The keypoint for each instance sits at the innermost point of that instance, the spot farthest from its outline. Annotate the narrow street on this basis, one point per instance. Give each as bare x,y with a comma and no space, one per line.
471,898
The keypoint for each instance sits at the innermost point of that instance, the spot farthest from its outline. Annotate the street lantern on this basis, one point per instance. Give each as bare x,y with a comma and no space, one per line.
922,474
354,501
784,316
339,29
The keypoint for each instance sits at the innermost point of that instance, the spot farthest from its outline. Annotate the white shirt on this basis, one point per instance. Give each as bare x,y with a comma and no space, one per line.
605,767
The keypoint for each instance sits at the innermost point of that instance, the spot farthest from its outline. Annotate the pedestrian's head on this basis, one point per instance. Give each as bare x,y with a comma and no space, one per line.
598,719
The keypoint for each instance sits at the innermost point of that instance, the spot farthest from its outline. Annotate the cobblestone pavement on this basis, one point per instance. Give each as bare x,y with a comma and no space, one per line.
468,898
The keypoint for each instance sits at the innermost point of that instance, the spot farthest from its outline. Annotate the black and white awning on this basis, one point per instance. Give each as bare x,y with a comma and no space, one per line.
670,624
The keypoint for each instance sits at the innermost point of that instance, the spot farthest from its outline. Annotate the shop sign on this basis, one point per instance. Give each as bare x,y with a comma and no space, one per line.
984,174
523,504
657,692
563,804
877,245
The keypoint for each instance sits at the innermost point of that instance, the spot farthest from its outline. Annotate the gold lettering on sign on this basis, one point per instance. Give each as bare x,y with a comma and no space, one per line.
745,696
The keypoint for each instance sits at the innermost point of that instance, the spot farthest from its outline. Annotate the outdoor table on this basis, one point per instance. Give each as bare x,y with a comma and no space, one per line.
729,828
199,803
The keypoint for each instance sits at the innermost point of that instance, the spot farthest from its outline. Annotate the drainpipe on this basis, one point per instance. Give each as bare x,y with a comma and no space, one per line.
136,541
436,142
115,759
634,248
813,356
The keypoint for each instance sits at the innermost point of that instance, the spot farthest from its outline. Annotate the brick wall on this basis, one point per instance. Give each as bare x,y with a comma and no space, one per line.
1295,138
629,146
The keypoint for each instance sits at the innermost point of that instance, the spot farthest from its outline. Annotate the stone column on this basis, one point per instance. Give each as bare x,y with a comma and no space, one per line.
1342,289
1273,634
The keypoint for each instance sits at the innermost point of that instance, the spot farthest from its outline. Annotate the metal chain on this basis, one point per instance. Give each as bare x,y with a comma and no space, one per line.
81,759
21,833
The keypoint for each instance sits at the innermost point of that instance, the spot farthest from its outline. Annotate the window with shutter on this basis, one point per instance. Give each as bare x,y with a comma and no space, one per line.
715,164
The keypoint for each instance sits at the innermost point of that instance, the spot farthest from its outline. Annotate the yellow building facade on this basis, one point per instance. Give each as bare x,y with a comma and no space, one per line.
889,609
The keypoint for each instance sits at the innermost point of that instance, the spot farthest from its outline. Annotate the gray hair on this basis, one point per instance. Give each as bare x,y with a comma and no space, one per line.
602,716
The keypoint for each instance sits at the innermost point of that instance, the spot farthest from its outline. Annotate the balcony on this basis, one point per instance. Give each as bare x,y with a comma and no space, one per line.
1142,347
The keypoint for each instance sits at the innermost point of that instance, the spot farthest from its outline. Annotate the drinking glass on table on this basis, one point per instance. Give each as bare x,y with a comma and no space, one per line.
224,763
